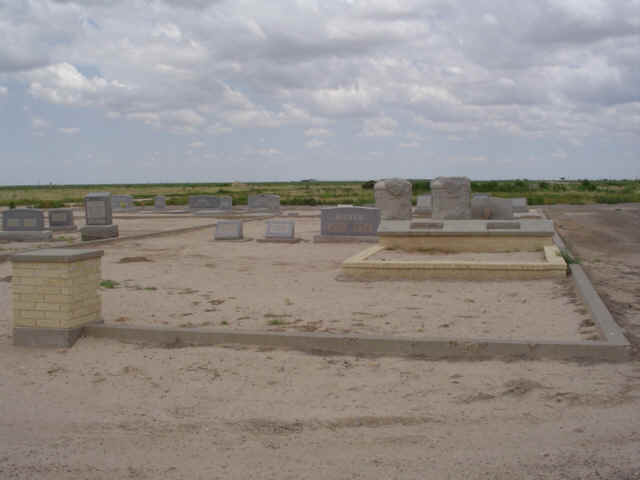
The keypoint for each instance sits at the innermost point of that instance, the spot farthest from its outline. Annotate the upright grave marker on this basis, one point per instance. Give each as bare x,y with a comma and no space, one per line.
451,198
280,231
264,201
229,230
99,217
122,202
209,202
160,202
393,198
520,205
24,225
61,220
348,224
423,205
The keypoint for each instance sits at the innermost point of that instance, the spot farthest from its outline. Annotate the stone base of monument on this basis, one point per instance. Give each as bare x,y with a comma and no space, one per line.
68,228
345,239
99,232
466,235
422,212
380,263
233,240
26,236
279,240
54,295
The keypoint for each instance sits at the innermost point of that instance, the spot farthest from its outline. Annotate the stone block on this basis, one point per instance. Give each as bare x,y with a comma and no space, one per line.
349,221
27,236
423,205
229,230
210,202
393,198
98,232
451,198
520,205
97,206
61,219
264,201
280,229
22,220
160,202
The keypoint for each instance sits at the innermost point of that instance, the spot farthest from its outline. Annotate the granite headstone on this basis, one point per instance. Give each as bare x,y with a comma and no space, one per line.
351,221
229,230
451,198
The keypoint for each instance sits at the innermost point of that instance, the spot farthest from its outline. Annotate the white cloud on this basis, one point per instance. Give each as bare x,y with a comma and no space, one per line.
3,90
314,143
197,144
317,132
69,130
379,127
39,123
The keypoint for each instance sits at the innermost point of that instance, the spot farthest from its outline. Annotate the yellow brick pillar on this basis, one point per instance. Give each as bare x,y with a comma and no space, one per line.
54,293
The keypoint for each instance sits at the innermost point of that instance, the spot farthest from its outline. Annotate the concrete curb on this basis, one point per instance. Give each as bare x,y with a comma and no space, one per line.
432,348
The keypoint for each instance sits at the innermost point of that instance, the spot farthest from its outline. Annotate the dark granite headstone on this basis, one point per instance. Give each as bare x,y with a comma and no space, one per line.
22,219
209,202
61,219
97,207
264,201
351,221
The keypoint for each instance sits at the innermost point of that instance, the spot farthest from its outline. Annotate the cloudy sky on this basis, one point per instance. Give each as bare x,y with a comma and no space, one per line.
98,91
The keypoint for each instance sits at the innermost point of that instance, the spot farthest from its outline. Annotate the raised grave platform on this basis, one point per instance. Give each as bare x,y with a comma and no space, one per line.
466,235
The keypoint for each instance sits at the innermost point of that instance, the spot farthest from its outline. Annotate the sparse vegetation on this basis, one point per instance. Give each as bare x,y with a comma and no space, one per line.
109,284
568,257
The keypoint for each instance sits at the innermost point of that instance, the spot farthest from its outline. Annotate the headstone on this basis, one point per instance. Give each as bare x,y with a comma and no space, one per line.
122,202
393,198
264,201
23,220
61,219
99,218
209,202
97,208
501,208
351,221
451,198
229,230
423,205
160,202
284,229
484,207
520,205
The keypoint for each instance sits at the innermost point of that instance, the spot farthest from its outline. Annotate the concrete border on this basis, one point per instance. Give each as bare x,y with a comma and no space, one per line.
345,239
360,267
46,337
433,348
279,240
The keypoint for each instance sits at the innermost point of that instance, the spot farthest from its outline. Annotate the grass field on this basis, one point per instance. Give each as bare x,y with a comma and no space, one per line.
538,192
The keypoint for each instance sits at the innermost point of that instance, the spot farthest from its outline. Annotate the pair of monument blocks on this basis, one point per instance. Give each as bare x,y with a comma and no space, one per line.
54,293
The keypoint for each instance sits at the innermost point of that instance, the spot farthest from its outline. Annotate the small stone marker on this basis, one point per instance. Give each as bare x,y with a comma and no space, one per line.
229,230
393,198
122,202
209,202
280,231
264,201
348,223
160,202
55,293
99,217
520,205
61,220
484,207
24,225
451,198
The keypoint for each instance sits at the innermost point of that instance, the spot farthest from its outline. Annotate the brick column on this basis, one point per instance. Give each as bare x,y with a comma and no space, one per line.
54,293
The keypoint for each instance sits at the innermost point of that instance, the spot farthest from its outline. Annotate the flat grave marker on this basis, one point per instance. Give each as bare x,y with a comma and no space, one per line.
229,230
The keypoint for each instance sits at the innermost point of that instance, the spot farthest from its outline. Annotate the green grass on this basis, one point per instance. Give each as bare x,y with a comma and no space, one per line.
109,284
564,253
315,193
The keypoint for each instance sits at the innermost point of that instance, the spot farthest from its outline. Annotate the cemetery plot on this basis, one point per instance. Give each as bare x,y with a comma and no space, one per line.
190,281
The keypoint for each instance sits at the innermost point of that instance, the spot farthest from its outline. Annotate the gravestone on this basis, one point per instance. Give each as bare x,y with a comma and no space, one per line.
348,223
264,201
122,202
280,231
451,198
423,205
24,225
160,202
520,205
209,202
97,206
61,220
23,220
99,217
484,207
393,198
229,230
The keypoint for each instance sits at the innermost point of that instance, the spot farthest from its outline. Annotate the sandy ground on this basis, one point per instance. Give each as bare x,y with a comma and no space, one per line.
191,281
105,410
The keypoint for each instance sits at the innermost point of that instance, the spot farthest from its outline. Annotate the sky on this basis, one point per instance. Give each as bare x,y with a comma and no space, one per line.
115,91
